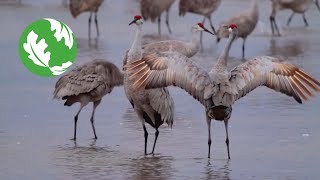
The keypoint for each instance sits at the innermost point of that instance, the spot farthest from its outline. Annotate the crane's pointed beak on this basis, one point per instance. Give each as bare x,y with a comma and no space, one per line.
206,30
132,22
317,4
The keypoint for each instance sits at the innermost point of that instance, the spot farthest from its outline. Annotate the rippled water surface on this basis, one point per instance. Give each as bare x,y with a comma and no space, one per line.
271,136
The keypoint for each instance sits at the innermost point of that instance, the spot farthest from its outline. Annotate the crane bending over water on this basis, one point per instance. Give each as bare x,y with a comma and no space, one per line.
154,106
79,6
88,83
219,89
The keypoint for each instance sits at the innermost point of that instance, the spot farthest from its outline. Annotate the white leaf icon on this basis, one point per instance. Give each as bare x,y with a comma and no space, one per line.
36,50
56,70
62,31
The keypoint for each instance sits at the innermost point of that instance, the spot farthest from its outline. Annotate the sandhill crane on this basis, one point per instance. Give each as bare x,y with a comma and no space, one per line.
152,9
79,6
246,22
220,88
202,7
188,49
88,83
297,6
153,106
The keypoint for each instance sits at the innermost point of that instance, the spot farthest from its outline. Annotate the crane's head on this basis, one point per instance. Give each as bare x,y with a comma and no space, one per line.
200,27
225,30
136,20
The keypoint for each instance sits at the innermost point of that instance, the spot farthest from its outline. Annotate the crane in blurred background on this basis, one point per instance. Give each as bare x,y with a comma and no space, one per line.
219,89
88,83
79,6
152,9
201,7
296,6
246,22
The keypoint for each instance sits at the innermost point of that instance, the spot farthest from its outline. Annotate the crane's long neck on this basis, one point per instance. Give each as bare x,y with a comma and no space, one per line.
222,61
195,42
135,51
254,9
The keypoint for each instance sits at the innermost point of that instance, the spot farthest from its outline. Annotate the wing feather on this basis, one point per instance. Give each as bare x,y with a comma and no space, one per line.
171,69
267,71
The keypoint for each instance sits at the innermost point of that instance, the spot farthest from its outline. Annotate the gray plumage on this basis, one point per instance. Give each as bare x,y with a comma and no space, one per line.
219,89
152,9
296,6
188,49
204,8
246,22
89,82
79,6
154,106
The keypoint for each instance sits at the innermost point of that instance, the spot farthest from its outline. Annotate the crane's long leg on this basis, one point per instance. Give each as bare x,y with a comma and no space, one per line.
96,21
145,131
212,27
243,47
201,33
76,120
155,140
209,134
317,4
227,136
276,26
290,18
167,21
305,20
159,25
271,24
89,30
95,104
145,139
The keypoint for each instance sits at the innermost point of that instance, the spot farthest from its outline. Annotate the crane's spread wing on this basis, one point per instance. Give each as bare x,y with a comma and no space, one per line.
266,71
95,75
170,68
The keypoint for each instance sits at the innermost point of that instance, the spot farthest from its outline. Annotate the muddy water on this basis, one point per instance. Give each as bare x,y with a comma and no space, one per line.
271,136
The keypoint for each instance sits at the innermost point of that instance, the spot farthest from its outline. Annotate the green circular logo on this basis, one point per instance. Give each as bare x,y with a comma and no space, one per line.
47,47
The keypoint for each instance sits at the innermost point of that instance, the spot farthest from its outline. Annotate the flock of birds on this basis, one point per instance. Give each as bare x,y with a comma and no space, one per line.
148,70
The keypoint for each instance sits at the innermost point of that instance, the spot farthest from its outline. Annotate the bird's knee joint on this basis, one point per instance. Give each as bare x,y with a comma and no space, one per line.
209,142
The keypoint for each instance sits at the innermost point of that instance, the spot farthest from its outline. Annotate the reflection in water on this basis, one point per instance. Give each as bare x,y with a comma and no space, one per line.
156,167
131,120
215,172
91,47
83,162
289,48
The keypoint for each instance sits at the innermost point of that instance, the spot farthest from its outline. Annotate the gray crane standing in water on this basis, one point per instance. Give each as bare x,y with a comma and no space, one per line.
246,22
79,6
88,83
152,9
219,89
202,7
188,49
297,6
154,106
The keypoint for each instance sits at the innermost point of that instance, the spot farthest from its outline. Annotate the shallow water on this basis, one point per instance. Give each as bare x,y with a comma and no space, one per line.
271,136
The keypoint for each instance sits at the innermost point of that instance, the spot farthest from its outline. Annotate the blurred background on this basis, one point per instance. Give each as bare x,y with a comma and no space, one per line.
271,136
